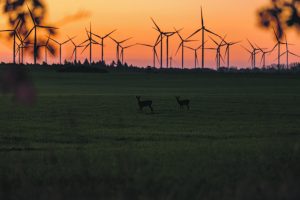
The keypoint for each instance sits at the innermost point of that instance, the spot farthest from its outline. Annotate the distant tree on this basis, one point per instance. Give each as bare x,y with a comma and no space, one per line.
281,14
113,64
17,9
86,62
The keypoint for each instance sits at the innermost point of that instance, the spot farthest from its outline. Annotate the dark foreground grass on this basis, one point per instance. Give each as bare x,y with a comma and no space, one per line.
85,138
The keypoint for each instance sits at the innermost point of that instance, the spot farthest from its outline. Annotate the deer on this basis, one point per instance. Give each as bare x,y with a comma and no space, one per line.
184,102
143,104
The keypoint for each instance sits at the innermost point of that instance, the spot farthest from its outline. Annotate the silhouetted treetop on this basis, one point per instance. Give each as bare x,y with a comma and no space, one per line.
16,10
281,14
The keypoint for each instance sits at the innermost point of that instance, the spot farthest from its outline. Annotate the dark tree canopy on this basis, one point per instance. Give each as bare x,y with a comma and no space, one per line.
281,15
17,9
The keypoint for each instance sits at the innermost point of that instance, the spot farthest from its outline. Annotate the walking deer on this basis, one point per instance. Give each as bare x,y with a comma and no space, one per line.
143,104
185,102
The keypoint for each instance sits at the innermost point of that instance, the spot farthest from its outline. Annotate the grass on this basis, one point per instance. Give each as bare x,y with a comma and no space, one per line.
86,139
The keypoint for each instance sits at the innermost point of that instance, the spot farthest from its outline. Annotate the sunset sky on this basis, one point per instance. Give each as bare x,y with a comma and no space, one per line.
236,18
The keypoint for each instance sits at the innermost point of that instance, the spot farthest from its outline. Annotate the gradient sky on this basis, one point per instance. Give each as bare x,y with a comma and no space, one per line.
236,18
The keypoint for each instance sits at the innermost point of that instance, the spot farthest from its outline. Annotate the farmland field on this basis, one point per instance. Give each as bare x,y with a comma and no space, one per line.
86,139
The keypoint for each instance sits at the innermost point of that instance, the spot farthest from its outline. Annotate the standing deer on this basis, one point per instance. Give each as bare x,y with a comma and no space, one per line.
185,102
143,104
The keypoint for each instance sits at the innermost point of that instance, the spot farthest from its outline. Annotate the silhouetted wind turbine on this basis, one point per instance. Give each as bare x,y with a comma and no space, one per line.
227,52
263,57
195,50
122,51
287,52
102,42
183,41
15,35
255,51
203,29
168,35
75,49
155,55
60,46
118,43
278,45
35,27
46,46
161,35
90,41
218,49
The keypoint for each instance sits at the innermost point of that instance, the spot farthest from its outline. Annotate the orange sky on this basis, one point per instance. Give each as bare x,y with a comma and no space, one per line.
236,18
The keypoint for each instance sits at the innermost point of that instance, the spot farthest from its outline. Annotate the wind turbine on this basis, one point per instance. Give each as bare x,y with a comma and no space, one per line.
102,42
167,35
155,55
255,51
227,52
15,35
278,45
60,46
122,51
195,50
263,57
160,37
75,49
287,52
46,46
203,29
118,43
90,41
218,49
35,27
183,41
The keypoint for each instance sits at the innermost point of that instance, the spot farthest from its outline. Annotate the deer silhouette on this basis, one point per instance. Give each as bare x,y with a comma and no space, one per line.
184,102
143,104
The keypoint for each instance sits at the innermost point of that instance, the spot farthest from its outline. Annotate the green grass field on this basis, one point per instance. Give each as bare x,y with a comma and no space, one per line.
86,139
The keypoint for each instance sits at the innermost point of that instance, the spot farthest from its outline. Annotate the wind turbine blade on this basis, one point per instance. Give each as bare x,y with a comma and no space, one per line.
113,40
156,55
84,42
125,40
178,34
28,34
214,41
251,44
147,45
31,15
158,40
46,27
181,44
197,31
202,19
227,49
212,33
85,48
110,33
129,46
201,45
222,58
246,49
155,25
294,54
54,40
274,47
66,41
16,27
190,48
277,38
72,39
